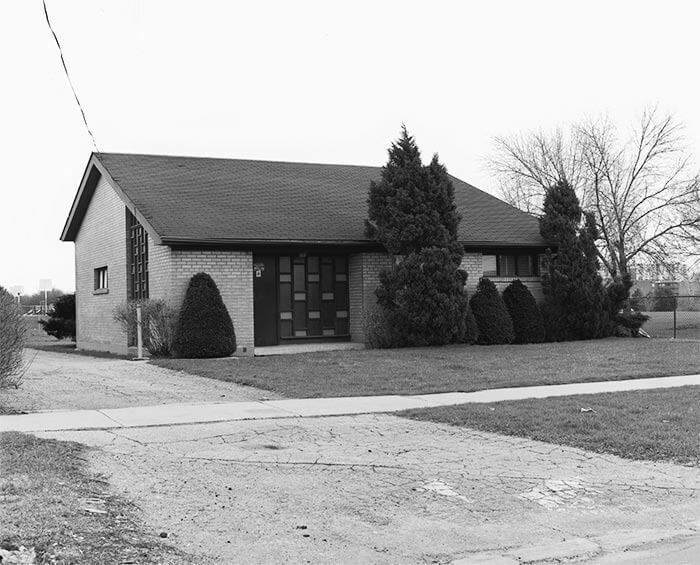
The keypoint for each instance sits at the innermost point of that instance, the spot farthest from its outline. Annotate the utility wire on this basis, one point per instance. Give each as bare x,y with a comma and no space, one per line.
65,70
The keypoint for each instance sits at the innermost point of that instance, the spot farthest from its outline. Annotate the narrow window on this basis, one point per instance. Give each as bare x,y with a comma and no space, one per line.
101,281
506,266
137,256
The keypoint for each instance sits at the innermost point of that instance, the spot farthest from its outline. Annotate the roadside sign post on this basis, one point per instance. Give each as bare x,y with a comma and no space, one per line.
139,334
46,285
18,291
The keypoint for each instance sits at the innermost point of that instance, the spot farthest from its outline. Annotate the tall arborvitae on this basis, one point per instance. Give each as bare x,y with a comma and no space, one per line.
571,283
412,206
412,214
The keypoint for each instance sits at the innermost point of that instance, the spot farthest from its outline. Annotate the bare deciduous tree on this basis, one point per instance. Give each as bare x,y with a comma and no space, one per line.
644,192
12,335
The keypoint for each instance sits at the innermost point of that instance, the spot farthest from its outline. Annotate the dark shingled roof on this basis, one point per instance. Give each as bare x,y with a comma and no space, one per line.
193,199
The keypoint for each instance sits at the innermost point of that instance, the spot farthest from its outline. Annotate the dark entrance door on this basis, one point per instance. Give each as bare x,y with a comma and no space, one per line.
265,299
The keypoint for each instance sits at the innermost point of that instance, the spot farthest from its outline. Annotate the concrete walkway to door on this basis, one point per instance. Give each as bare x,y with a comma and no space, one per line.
175,414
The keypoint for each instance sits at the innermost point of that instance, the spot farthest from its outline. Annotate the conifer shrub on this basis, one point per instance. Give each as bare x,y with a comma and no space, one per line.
204,327
376,330
412,213
571,283
491,314
523,310
638,301
61,322
554,323
471,330
423,299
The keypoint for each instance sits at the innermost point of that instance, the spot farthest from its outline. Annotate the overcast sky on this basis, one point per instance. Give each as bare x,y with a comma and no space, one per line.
311,81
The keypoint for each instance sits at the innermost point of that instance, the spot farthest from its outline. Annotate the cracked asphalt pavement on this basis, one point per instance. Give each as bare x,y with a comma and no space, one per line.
382,489
61,381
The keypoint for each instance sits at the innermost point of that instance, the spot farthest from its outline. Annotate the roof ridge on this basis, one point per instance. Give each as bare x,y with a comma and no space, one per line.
202,158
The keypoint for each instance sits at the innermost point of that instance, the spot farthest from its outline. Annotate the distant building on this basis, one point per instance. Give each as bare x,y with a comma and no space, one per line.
657,273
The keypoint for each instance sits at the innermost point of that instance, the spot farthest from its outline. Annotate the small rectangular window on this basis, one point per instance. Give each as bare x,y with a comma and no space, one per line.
101,281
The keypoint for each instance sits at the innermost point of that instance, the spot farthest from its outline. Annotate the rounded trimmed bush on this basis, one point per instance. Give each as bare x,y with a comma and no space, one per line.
491,314
204,327
523,310
471,330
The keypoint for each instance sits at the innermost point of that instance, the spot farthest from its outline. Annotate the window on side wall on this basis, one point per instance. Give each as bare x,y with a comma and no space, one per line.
101,280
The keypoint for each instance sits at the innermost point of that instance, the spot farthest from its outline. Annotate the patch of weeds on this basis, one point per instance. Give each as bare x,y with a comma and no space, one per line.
51,502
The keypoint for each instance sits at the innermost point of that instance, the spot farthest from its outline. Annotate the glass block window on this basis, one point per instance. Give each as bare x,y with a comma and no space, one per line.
137,258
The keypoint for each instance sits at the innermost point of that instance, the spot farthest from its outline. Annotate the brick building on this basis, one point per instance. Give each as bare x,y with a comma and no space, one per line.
284,242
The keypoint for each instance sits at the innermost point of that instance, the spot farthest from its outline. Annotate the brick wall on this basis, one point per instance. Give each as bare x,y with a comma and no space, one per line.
233,273
159,271
473,265
364,269
101,242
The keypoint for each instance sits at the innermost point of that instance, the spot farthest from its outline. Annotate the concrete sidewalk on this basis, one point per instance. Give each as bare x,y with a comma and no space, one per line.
173,414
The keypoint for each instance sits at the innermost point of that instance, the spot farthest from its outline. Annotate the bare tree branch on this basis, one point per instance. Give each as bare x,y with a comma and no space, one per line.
644,192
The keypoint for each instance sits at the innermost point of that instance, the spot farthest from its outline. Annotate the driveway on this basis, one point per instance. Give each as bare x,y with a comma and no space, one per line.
64,381
381,489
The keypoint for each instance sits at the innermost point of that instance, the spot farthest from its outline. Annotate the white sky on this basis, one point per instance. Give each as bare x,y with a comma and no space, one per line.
311,81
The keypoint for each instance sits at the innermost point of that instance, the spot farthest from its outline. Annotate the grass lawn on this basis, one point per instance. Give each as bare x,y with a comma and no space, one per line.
452,368
660,324
660,424
45,489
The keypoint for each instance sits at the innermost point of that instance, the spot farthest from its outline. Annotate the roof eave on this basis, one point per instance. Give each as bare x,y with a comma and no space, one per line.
93,171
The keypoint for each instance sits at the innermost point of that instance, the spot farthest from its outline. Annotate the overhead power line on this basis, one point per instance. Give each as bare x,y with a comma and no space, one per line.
65,70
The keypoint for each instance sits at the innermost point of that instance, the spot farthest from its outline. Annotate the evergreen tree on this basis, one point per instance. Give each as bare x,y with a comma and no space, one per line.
61,322
491,314
523,310
411,212
638,301
423,299
571,281
204,327
412,206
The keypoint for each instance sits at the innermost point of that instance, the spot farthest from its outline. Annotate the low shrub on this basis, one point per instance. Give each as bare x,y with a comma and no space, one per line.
491,314
523,310
631,321
61,322
157,324
12,339
204,327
